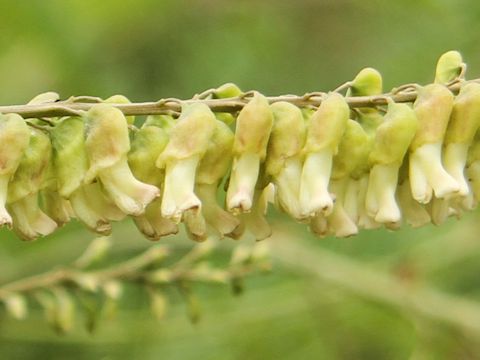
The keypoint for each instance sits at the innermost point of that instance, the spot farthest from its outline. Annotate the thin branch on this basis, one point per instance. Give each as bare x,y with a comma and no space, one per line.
69,108
139,269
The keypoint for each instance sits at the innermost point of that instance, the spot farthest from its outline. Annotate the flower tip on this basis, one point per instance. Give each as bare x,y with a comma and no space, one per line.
241,202
5,220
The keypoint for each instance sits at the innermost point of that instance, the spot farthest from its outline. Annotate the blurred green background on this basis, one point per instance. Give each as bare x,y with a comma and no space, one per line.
147,50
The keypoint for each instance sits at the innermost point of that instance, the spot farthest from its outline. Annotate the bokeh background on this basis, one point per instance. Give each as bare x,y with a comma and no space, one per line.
150,49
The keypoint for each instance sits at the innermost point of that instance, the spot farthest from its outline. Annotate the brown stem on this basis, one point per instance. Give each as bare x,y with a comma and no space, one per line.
69,108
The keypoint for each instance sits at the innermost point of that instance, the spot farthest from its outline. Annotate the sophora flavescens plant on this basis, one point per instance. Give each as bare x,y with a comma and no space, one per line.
340,161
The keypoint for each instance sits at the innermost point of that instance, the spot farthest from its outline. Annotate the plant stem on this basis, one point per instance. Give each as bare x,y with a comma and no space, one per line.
138,269
69,108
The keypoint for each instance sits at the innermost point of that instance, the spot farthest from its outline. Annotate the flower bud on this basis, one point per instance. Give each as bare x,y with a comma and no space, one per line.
464,123
392,140
449,67
181,157
325,130
228,90
254,124
14,140
284,159
433,108
107,146
367,82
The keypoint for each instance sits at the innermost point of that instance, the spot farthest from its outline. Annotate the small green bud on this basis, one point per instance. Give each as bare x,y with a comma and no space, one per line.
449,67
228,90
368,82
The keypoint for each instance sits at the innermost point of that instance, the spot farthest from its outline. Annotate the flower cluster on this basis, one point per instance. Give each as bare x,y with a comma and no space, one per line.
334,167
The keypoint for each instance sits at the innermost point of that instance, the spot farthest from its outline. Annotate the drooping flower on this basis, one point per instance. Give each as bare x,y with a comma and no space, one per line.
432,107
14,140
464,123
70,165
253,127
284,156
181,157
107,144
29,221
391,143
324,132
